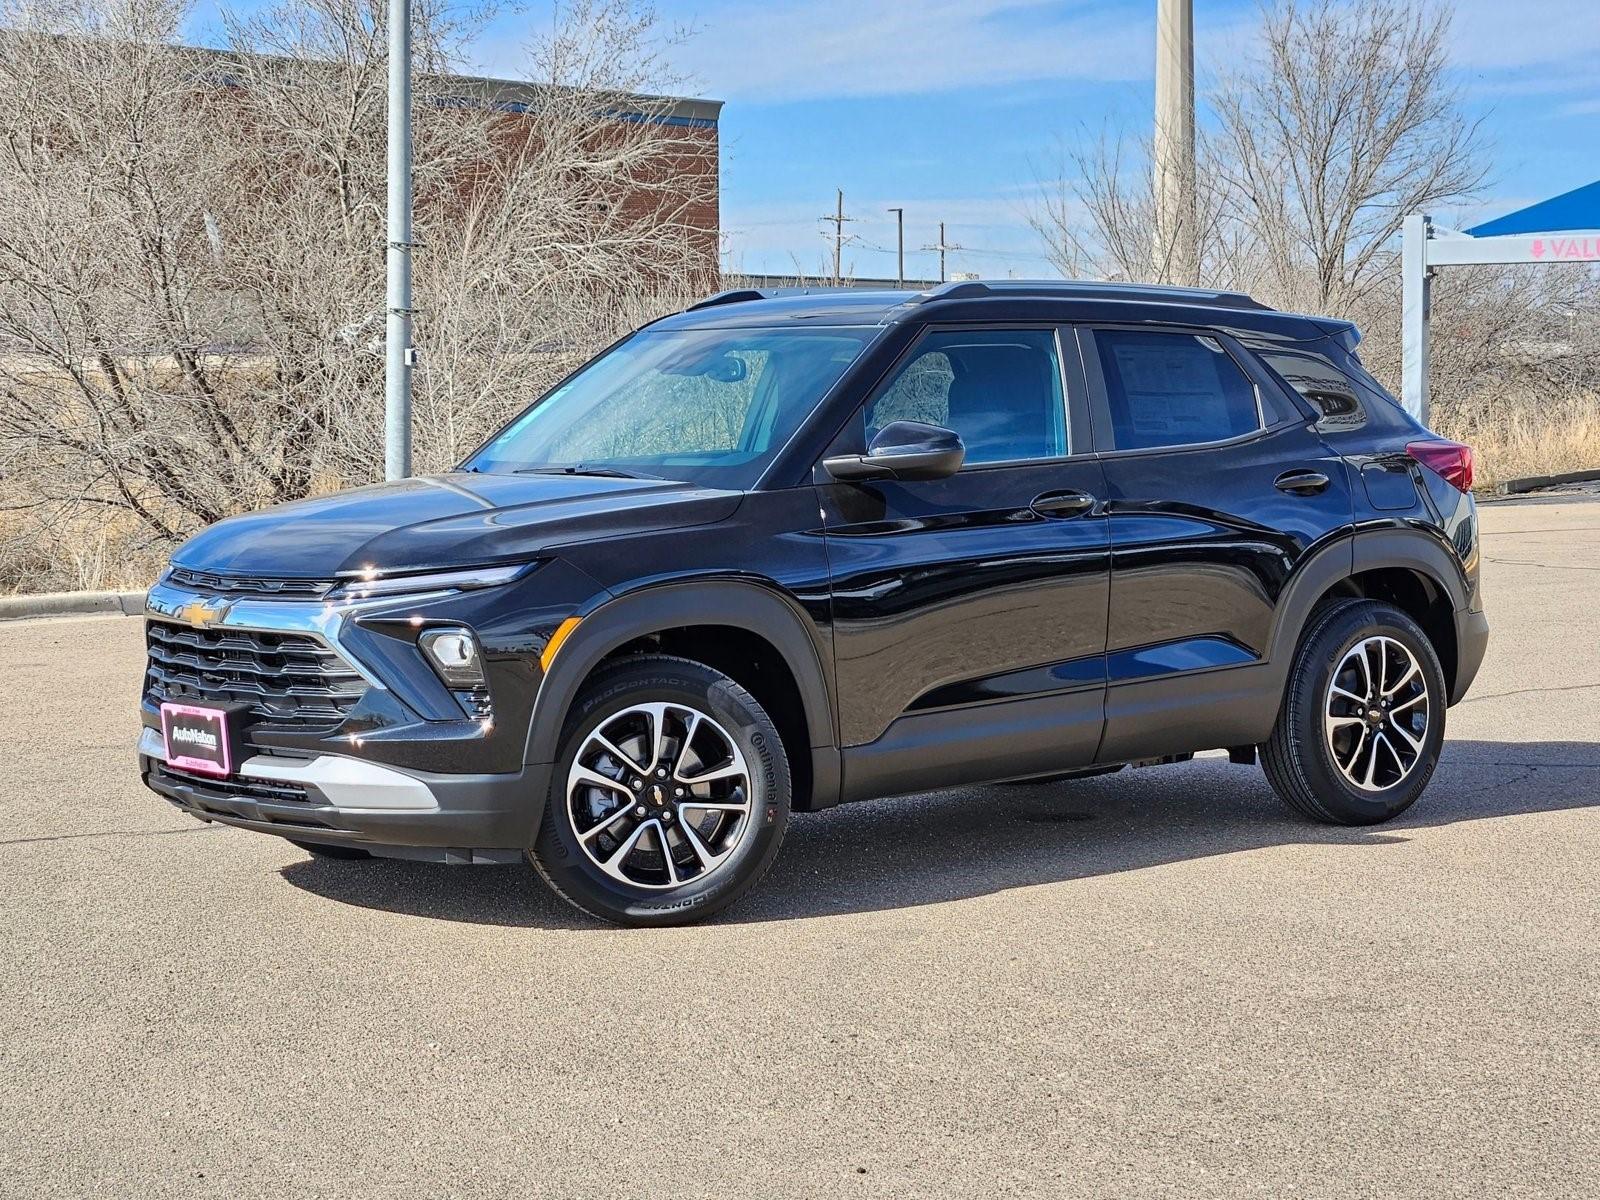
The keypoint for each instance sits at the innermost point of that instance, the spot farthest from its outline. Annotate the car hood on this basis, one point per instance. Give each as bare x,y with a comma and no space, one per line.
441,521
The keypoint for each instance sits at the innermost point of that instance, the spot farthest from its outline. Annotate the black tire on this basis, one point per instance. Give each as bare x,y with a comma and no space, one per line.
570,871
327,850
1298,759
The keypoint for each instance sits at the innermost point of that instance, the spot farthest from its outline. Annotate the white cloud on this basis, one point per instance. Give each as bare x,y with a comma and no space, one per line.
1497,35
801,49
786,50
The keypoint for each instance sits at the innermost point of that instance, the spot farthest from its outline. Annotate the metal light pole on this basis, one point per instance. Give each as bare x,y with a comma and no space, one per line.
1177,254
900,245
398,353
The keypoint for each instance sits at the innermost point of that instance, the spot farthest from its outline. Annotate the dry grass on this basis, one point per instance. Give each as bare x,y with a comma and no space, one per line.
100,551
1518,436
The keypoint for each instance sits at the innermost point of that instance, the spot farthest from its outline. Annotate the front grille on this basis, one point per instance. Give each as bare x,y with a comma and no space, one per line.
281,678
218,584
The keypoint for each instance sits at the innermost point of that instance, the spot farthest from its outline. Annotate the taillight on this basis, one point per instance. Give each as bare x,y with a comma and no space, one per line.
1451,461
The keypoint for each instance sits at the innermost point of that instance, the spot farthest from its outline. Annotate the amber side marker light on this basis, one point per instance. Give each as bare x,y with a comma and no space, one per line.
557,639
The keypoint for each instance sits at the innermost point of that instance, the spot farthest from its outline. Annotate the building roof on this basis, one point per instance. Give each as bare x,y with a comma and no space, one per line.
509,95
519,95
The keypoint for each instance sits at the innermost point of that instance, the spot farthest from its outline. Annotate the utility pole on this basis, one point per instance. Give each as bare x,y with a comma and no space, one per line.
943,247
1176,252
900,245
398,353
839,220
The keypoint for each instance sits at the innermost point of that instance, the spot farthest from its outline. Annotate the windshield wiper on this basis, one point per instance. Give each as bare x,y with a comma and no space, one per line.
580,469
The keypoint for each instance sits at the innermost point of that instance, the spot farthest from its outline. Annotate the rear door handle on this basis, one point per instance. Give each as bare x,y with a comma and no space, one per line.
1301,483
1062,504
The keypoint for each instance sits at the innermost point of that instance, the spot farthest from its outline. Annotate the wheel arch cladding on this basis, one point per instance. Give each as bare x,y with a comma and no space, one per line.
747,632
1408,568
1421,597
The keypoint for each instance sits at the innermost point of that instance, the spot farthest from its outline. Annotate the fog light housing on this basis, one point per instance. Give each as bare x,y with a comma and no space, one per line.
455,657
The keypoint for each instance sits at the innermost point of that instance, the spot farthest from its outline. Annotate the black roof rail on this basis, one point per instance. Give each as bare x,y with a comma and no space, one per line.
731,296
740,295
1085,289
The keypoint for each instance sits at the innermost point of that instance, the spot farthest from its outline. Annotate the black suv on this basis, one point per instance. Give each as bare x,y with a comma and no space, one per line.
782,551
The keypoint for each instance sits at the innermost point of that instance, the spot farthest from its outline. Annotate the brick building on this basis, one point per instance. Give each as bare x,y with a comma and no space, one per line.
693,122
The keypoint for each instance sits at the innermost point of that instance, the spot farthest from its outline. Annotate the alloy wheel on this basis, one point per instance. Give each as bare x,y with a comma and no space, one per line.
1377,714
659,796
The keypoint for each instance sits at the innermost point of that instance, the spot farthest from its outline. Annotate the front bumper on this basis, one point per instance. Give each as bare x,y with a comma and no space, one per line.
406,718
337,800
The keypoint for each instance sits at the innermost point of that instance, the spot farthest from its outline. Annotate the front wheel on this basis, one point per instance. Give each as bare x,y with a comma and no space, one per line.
670,796
1362,723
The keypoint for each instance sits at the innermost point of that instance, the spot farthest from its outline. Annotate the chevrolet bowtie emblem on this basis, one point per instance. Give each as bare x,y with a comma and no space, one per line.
202,614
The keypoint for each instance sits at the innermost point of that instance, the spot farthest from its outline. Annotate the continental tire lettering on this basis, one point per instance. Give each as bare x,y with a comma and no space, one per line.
769,777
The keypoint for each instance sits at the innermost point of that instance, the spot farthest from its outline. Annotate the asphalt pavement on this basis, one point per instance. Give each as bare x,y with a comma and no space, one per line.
1157,983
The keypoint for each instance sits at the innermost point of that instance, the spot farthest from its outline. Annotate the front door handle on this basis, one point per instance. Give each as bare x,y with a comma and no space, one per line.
1301,483
1062,504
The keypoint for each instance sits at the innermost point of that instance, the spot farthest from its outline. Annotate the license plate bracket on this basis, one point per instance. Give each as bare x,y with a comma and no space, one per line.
198,738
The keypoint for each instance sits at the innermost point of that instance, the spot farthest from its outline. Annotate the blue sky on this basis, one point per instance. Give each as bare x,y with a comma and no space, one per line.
955,108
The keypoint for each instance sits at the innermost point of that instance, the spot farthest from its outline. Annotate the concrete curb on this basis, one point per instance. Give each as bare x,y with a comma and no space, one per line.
1516,487
57,604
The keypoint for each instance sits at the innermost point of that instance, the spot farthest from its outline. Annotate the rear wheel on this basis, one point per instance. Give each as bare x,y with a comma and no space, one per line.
1362,723
669,799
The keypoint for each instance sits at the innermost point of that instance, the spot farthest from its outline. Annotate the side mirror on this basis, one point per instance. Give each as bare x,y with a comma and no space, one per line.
904,450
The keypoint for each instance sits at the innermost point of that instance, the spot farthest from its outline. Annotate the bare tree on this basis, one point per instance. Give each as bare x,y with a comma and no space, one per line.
1097,214
1339,123
1343,122
191,251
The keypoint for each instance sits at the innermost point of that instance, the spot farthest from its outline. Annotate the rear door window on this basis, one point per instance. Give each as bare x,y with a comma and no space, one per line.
1173,389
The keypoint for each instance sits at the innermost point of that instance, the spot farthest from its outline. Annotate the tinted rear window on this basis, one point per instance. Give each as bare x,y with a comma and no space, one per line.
1173,389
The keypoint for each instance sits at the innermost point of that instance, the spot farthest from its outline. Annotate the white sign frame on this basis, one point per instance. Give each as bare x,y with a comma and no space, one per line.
1424,247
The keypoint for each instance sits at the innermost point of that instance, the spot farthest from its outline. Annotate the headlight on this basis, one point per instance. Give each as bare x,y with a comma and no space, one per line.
453,652
373,583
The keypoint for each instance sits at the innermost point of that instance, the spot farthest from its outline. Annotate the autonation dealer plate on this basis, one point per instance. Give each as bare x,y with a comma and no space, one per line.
197,739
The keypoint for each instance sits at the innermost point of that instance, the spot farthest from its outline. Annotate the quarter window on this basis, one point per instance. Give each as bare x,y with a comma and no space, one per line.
1173,389
1000,390
1323,384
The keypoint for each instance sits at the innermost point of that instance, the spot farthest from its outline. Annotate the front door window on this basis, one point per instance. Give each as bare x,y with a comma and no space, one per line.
999,390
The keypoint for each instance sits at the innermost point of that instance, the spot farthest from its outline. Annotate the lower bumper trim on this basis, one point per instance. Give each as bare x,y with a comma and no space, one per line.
351,802
347,783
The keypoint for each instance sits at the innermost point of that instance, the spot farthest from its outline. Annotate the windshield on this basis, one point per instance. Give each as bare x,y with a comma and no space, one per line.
709,406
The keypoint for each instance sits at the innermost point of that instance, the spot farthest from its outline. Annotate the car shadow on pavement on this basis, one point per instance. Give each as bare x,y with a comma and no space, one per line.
953,845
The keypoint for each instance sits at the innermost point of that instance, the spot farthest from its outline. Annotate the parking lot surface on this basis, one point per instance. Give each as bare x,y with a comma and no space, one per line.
1157,983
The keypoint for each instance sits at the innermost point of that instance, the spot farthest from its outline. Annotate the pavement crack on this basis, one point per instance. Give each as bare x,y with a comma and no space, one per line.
1541,766
1571,687
105,833
1489,533
1522,562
